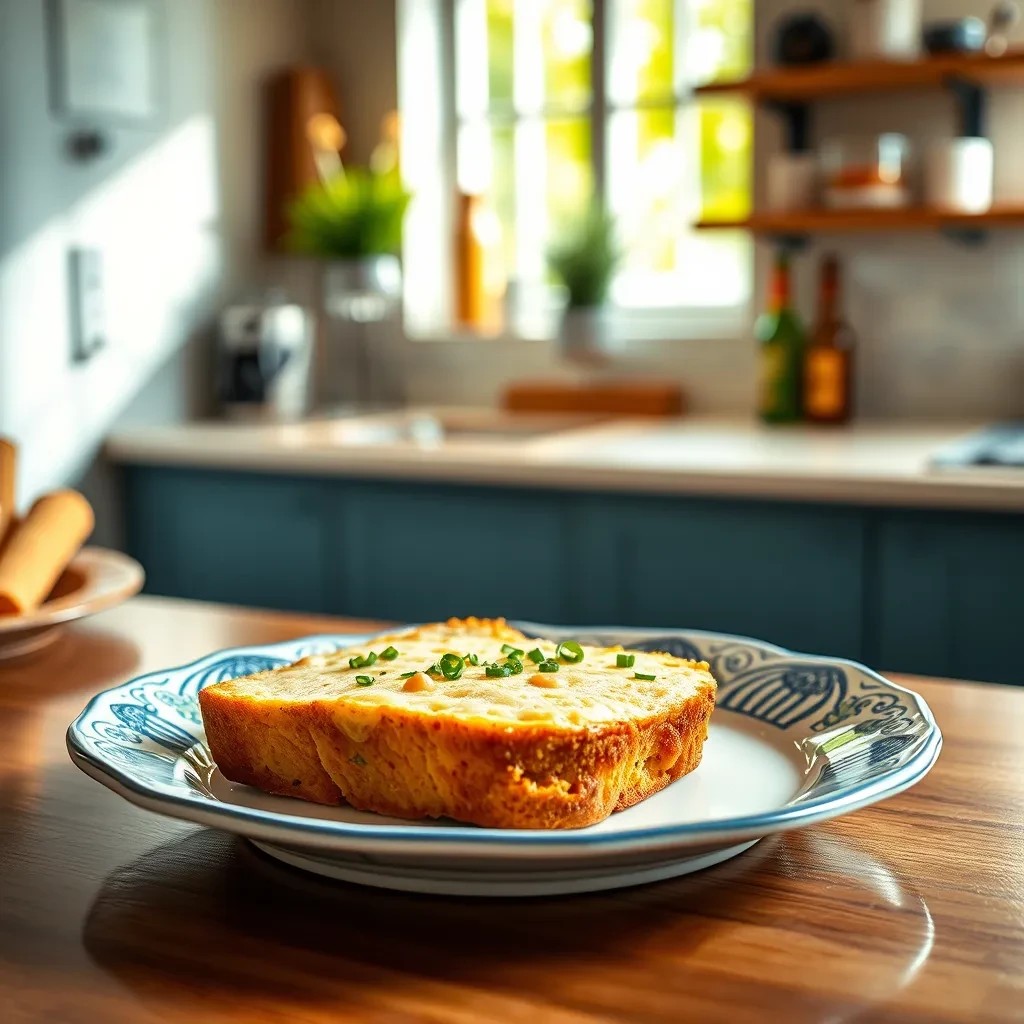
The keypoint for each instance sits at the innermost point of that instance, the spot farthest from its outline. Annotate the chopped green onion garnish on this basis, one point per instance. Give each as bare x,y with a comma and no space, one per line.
511,651
389,654
644,675
625,660
514,665
407,675
434,670
548,666
356,662
536,656
570,651
368,660
473,659
497,671
451,666
364,680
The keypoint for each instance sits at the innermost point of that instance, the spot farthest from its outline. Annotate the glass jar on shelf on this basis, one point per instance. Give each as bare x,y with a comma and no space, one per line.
865,173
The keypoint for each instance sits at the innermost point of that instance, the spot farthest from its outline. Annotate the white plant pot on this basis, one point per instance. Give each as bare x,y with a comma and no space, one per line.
584,333
364,289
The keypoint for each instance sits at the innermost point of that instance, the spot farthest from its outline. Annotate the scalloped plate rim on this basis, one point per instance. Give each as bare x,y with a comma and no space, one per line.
319,833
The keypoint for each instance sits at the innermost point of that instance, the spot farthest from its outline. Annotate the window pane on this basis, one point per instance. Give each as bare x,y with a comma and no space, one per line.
538,176
525,56
567,40
726,155
554,185
641,42
720,40
656,194
649,186
500,51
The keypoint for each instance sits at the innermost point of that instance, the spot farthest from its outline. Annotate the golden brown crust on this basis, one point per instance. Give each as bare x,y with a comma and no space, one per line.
398,761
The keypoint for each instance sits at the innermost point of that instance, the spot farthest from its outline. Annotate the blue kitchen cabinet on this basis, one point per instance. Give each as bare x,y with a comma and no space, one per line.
905,590
792,575
948,598
229,537
422,553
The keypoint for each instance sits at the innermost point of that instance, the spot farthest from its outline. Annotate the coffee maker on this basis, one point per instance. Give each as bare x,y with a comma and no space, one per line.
264,351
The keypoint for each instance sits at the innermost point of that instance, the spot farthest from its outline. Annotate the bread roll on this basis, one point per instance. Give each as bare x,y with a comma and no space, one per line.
40,548
8,475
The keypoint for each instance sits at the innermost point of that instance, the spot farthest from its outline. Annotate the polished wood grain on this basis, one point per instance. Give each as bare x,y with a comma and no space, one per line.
911,910
846,78
914,218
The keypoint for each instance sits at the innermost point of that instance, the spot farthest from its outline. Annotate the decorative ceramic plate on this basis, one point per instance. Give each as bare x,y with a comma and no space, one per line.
96,579
794,740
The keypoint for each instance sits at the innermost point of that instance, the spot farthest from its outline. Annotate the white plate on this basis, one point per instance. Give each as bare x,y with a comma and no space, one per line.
795,739
95,580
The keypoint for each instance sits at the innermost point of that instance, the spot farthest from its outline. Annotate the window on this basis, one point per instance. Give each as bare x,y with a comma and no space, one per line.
545,104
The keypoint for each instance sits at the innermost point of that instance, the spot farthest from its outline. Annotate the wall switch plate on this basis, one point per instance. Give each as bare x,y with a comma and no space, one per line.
86,294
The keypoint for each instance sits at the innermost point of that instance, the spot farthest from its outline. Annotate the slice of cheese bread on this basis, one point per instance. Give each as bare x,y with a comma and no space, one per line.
468,720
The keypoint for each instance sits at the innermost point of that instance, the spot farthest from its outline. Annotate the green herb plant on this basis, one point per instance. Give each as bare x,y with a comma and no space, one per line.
355,214
585,259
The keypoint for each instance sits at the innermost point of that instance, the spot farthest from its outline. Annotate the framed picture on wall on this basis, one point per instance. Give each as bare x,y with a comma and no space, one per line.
104,59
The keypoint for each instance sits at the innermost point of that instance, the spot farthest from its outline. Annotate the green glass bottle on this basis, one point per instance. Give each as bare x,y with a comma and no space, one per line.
781,342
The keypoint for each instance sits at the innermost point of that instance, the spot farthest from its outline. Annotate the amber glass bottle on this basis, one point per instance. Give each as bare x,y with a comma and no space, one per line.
828,360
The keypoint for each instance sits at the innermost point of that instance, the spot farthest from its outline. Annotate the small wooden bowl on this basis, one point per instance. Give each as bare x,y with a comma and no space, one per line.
95,580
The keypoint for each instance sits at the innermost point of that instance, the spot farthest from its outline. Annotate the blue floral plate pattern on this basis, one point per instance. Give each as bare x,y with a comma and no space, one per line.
795,739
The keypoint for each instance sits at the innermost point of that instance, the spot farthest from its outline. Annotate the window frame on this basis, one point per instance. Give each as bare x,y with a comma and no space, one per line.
624,324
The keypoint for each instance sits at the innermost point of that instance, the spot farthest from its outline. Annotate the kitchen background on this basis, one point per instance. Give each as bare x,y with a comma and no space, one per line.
175,210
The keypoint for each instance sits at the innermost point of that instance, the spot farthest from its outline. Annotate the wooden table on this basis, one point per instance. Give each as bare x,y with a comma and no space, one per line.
911,910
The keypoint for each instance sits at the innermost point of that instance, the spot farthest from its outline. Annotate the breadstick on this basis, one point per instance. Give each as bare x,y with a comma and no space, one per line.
40,548
8,482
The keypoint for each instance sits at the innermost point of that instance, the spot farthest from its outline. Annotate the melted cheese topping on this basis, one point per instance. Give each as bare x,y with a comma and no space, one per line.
594,691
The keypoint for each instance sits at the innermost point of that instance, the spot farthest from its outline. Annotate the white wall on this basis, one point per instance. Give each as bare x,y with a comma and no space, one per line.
173,208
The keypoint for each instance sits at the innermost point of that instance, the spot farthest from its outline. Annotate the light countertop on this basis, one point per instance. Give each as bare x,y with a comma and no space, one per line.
871,463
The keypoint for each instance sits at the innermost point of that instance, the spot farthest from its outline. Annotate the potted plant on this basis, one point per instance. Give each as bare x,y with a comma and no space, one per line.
583,262
353,219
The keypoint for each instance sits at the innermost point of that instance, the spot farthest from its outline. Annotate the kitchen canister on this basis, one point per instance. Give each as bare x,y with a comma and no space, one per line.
791,182
958,174
885,29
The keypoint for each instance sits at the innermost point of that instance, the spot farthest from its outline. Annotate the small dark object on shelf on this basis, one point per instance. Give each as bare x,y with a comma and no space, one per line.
962,35
803,39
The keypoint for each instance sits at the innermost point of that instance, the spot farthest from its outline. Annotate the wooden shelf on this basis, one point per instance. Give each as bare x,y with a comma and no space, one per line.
806,222
848,78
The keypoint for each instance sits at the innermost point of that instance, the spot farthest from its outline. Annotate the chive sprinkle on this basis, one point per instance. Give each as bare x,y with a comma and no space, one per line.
451,666
473,659
364,680
548,666
644,675
389,654
497,671
514,665
570,651
512,652
356,662
407,675
368,660
536,656
625,660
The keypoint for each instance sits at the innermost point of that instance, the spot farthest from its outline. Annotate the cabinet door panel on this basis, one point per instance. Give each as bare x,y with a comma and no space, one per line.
232,538
951,595
792,576
419,554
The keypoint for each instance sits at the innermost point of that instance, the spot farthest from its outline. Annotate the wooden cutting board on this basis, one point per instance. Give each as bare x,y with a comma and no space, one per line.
613,398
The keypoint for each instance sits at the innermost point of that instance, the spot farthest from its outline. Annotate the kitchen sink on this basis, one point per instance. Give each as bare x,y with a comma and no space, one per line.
430,427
